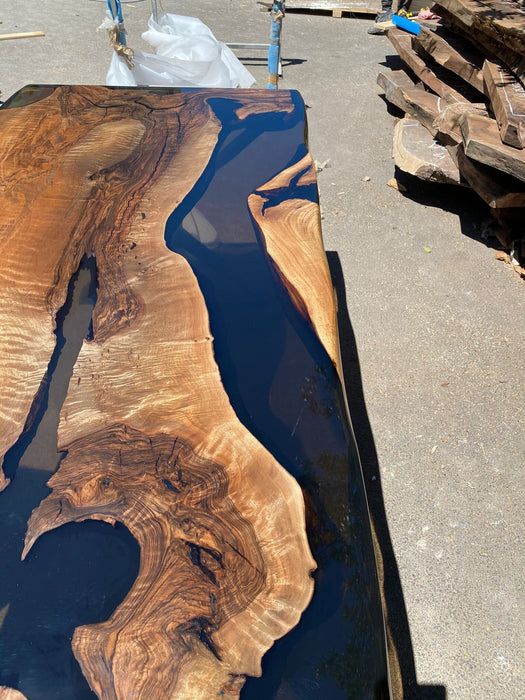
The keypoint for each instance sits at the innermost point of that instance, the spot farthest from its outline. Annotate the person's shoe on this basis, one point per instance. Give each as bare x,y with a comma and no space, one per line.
382,21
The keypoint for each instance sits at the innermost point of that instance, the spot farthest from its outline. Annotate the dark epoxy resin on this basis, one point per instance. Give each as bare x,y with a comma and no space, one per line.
285,390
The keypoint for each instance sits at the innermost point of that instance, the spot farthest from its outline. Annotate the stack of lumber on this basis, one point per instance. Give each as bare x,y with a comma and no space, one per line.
463,81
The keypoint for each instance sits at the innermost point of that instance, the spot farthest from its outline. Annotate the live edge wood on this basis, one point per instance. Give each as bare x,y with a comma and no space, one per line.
292,237
402,43
151,439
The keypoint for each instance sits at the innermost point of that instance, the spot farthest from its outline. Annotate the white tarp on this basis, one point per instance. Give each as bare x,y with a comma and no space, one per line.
187,55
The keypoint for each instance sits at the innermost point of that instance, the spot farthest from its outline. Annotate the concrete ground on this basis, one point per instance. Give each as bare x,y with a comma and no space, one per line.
432,339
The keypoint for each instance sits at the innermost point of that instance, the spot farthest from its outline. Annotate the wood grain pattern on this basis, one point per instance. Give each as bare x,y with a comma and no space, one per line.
11,694
151,439
291,230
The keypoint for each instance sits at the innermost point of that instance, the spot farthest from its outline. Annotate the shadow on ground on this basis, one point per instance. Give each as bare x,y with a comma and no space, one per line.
393,592
474,215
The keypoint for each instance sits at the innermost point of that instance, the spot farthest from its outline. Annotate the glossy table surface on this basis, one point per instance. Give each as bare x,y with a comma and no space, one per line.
179,470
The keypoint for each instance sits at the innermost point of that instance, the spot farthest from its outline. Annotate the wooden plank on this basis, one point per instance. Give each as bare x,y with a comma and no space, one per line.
498,19
402,42
213,347
507,98
417,153
493,46
497,189
401,91
439,115
21,35
337,7
452,53
482,142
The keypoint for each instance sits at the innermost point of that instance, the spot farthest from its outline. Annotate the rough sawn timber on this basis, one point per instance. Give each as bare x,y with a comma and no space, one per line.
482,142
497,189
291,234
507,98
453,53
417,153
502,21
492,44
151,439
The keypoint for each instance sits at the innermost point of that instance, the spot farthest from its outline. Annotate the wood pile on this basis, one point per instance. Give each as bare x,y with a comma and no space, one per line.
463,80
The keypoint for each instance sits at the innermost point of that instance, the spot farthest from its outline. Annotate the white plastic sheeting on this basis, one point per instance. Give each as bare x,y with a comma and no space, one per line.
187,55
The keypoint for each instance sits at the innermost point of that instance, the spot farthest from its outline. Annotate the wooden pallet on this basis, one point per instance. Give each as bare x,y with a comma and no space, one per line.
338,8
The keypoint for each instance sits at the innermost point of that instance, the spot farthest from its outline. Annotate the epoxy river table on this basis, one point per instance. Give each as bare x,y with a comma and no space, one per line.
182,510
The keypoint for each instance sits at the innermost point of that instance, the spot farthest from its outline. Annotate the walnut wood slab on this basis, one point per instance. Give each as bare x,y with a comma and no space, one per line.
493,44
291,233
11,694
150,437
497,189
439,115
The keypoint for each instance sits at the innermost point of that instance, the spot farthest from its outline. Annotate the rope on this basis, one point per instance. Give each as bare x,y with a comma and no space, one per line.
115,30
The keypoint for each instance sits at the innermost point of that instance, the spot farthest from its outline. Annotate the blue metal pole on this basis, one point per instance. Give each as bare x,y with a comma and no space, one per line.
116,12
274,52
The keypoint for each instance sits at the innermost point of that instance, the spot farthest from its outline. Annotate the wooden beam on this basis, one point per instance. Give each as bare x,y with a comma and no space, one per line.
447,123
453,53
493,46
402,42
482,142
502,21
401,91
507,98
497,189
